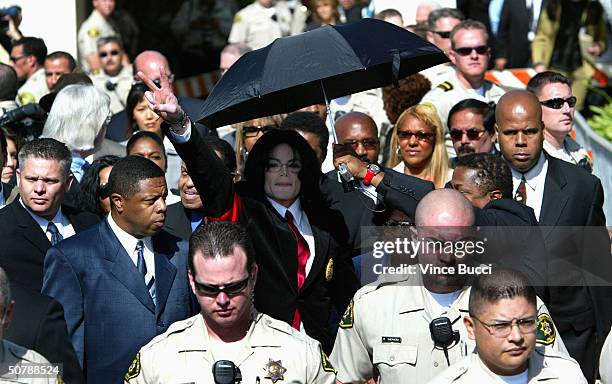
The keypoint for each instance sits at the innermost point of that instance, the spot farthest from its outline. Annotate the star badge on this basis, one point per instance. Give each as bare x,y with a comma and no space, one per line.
274,370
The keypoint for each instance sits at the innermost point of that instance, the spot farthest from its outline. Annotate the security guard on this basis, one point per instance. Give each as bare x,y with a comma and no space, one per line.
386,328
571,152
259,23
33,89
94,27
115,79
264,350
27,58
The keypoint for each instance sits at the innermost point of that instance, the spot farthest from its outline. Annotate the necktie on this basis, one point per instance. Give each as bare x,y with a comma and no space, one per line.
521,192
56,237
142,268
302,255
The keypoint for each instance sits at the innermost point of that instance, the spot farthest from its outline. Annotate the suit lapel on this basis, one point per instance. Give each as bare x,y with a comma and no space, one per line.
321,241
554,199
165,272
31,230
123,268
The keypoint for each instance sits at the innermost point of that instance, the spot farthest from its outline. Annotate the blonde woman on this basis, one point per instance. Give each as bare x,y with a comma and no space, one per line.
417,145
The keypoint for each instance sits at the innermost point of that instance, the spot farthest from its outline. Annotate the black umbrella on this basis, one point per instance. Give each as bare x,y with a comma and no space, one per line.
314,67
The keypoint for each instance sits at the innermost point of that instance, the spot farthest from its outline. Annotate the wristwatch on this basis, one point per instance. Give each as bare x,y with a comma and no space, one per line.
373,170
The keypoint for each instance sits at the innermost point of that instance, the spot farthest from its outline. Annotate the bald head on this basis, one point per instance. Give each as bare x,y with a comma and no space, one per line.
444,208
518,102
359,130
149,63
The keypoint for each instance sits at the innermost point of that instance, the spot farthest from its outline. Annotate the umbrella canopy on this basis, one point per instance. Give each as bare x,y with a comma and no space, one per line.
294,72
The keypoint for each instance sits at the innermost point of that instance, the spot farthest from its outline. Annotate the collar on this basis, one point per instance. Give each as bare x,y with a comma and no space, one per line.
539,367
533,176
295,209
58,219
127,241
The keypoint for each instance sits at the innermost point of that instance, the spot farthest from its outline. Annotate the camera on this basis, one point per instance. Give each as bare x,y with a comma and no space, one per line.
13,12
27,121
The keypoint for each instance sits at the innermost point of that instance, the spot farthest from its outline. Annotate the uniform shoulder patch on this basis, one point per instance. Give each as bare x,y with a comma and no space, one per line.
93,33
26,98
134,369
325,363
237,19
347,319
446,86
545,331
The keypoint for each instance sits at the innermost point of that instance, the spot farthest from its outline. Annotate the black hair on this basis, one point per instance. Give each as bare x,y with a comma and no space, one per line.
134,97
8,82
63,55
308,122
501,283
91,191
440,13
218,239
486,110
228,155
492,172
541,79
48,149
128,172
3,150
33,46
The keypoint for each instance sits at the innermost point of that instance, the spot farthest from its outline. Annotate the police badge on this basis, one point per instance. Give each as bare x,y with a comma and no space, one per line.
274,370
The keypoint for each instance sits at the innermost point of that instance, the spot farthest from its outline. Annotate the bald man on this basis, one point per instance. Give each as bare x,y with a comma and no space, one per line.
386,328
561,195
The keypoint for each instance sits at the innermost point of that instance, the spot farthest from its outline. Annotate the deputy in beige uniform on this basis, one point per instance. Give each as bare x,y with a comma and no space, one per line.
440,23
605,360
27,58
93,28
503,322
115,79
259,23
470,54
386,327
222,276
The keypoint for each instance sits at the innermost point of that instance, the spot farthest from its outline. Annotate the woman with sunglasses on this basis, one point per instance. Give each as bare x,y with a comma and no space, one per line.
247,134
417,145
94,196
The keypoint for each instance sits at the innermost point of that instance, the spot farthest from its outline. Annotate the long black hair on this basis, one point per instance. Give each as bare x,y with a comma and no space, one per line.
91,192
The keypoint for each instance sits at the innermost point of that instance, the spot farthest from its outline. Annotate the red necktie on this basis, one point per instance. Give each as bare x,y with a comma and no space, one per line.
521,192
302,254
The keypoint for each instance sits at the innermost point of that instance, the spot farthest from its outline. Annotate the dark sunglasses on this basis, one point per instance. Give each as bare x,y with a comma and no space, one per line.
111,53
367,143
103,191
420,135
472,134
442,34
252,131
465,51
557,103
229,289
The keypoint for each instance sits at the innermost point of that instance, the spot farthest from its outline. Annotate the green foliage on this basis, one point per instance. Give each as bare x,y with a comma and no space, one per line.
601,122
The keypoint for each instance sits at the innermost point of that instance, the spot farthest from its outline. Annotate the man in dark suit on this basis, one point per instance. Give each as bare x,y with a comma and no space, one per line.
123,281
35,221
517,27
566,200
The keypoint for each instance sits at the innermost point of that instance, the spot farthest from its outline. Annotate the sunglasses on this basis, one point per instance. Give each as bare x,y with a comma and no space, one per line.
231,289
252,131
443,34
111,53
420,135
367,143
472,134
465,51
557,103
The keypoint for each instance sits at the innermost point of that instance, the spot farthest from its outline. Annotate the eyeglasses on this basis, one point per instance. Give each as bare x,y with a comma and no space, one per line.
503,328
231,289
367,143
557,103
472,134
274,166
442,34
14,59
103,54
420,135
465,51
254,130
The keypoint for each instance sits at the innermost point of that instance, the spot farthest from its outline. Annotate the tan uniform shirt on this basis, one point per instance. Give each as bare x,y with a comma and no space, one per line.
22,365
272,352
118,95
571,152
439,74
91,30
33,89
386,328
605,361
257,26
545,366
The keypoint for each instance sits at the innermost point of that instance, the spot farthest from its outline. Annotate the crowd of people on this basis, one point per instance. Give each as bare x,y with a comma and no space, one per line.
139,245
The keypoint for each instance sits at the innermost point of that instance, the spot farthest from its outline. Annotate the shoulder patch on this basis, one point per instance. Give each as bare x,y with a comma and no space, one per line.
325,363
237,19
134,369
93,33
348,318
446,86
26,98
545,331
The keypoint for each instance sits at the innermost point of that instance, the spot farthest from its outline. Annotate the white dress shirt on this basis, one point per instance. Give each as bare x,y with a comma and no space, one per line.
535,179
64,227
129,244
2,202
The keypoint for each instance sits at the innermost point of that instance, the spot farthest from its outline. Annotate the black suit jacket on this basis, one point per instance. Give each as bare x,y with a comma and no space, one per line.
6,190
38,323
178,222
512,41
331,279
24,244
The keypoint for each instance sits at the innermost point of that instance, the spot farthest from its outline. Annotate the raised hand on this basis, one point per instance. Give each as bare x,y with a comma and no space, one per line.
162,100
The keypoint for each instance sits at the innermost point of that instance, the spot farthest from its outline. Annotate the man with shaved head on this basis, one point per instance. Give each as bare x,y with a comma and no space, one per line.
561,195
386,328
